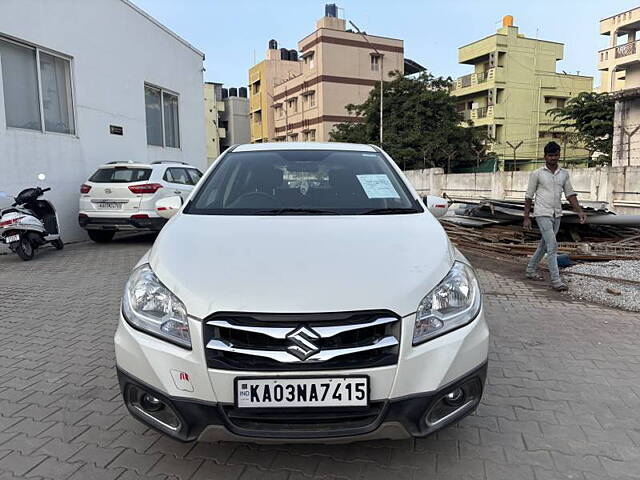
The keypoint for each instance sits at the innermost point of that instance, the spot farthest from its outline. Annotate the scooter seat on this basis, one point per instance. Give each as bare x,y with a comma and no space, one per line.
18,210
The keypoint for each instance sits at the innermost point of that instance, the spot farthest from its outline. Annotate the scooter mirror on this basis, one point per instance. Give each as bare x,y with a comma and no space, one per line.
42,177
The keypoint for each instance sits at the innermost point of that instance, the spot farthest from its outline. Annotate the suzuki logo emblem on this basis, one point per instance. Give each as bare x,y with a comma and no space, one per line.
302,342
107,190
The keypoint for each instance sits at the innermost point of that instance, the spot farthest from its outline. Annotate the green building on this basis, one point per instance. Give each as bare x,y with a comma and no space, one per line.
512,87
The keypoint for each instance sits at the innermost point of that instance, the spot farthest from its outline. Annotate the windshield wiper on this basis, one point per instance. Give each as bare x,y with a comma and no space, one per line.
296,211
389,211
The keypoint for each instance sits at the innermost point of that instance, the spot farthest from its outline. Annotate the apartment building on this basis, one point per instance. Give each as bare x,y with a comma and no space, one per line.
336,66
513,86
619,67
213,109
278,66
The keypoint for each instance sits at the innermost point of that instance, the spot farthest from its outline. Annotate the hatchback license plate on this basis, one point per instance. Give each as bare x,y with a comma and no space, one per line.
12,238
302,392
109,205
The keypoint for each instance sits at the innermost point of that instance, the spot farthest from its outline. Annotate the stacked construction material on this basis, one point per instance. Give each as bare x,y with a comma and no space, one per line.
496,226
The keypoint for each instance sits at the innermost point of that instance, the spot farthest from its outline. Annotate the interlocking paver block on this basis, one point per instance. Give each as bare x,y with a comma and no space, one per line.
213,471
562,385
130,460
20,464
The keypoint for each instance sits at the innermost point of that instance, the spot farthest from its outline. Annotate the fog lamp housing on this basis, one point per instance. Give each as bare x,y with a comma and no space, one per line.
454,403
153,410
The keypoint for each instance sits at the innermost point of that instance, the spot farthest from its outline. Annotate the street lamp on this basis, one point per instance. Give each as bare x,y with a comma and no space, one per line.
381,74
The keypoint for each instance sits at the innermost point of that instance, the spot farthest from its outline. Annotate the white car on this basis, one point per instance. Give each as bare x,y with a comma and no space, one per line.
121,196
304,292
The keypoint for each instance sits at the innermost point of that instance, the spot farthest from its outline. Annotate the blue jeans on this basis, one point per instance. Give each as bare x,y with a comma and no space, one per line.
548,244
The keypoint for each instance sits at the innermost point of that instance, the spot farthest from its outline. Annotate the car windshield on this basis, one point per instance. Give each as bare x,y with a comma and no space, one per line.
303,182
120,175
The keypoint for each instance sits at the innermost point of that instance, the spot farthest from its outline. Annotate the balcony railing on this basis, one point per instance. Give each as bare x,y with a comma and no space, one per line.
481,112
625,49
473,79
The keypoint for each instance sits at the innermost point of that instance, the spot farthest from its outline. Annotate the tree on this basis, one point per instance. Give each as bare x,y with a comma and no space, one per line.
587,120
422,127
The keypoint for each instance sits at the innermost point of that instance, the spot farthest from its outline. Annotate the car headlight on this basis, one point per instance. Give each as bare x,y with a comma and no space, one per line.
149,306
454,302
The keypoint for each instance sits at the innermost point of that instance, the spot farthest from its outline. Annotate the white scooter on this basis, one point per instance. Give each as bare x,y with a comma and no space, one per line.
29,223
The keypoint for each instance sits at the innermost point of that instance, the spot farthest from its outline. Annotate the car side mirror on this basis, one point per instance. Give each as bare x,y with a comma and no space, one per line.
438,206
167,207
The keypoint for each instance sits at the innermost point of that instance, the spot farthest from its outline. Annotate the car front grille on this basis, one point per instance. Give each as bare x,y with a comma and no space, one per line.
301,342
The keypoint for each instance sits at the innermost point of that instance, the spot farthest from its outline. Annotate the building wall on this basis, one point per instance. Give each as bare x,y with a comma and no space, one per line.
236,116
268,73
341,74
617,186
513,97
111,61
626,133
213,110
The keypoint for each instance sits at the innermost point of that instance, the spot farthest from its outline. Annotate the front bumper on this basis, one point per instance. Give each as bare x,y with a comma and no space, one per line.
123,223
391,419
400,394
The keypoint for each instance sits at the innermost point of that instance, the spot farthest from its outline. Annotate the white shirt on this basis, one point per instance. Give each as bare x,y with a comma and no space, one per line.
547,188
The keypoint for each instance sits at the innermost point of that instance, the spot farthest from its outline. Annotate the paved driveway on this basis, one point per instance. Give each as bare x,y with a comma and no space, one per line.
562,400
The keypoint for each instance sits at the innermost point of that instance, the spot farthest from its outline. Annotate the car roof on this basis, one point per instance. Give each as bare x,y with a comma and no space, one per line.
145,165
271,146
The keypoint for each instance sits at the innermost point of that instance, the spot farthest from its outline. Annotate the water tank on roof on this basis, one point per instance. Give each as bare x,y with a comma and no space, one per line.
273,45
284,54
233,92
330,10
225,93
242,92
293,55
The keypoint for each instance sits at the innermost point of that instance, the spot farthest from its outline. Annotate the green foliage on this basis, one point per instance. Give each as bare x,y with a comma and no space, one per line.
422,127
588,121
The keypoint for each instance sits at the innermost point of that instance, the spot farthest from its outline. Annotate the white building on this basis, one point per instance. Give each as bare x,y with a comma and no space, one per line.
87,82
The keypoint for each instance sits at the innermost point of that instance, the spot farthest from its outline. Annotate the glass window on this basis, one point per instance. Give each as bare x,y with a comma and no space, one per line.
195,175
171,126
120,175
161,106
375,63
154,116
20,84
55,74
308,182
177,175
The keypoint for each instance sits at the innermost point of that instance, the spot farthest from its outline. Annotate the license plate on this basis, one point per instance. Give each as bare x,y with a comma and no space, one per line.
302,392
109,205
12,238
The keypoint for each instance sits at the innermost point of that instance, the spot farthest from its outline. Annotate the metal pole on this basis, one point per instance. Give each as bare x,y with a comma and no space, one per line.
381,95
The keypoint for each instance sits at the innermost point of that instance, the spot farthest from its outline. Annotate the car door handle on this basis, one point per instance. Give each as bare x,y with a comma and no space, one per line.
177,192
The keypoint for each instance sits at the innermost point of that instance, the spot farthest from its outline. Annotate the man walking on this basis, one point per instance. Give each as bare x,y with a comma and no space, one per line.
547,184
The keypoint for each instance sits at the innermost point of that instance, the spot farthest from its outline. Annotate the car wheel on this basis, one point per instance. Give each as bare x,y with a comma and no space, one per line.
24,249
58,244
101,236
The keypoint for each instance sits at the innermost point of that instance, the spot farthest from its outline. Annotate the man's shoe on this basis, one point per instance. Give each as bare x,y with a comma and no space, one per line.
534,276
560,288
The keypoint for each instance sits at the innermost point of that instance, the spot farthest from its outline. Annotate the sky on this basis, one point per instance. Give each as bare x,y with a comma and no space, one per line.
233,33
